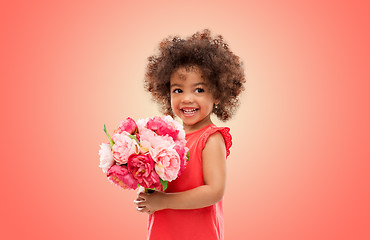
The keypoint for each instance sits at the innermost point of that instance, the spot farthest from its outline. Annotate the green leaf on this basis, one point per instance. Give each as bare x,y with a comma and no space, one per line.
110,139
164,184
149,190
188,156
134,137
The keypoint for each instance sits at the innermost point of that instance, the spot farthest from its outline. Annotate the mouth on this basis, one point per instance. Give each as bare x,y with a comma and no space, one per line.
189,111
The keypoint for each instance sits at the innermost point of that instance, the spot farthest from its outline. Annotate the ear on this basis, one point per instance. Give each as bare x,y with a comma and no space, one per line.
215,105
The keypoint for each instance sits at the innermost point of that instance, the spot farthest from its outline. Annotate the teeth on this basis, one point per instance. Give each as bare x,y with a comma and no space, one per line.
189,111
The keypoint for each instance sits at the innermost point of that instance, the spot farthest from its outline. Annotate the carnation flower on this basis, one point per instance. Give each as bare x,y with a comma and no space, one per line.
106,157
120,176
142,169
167,164
123,147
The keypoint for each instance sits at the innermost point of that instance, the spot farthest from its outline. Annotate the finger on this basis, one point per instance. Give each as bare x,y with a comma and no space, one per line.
136,201
141,209
143,195
140,203
139,199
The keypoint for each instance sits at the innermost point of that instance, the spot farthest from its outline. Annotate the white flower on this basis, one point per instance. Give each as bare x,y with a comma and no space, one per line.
106,157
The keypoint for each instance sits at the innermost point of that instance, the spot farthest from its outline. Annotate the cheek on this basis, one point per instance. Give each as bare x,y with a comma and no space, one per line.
210,102
210,108
173,103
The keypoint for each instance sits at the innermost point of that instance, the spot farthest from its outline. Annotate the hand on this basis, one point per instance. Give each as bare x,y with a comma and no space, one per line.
150,202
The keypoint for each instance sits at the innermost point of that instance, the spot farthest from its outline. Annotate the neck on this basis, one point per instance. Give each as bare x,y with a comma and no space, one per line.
199,125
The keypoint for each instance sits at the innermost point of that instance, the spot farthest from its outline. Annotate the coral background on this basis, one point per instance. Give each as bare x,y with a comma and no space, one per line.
299,166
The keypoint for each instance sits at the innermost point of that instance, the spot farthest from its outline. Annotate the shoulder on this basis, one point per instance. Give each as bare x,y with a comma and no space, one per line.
215,143
217,138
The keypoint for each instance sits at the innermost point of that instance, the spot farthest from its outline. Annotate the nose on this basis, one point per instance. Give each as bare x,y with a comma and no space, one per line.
187,98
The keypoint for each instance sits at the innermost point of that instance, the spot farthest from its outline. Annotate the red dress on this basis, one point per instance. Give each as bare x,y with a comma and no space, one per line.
203,223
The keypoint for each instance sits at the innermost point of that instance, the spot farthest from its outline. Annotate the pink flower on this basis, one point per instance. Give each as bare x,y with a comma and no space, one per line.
142,169
176,125
167,164
120,176
162,128
153,143
123,147
145,152
141,124
128,126
182,151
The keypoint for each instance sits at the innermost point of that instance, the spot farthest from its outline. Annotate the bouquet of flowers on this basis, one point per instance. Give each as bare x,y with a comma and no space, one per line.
149,153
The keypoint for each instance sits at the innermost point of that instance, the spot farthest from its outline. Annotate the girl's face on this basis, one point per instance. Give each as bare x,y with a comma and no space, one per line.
191,98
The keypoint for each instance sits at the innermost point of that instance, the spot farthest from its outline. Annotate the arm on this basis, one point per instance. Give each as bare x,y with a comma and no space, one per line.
214,175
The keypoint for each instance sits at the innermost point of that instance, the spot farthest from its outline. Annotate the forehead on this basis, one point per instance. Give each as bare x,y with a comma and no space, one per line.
188,74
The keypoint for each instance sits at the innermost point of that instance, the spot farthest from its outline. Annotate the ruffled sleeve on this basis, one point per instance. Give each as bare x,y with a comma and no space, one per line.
225,131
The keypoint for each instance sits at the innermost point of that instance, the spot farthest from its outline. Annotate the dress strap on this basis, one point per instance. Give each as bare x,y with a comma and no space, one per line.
225,131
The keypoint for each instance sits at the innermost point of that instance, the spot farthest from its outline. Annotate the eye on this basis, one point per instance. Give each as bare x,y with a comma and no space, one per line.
177,90
199,90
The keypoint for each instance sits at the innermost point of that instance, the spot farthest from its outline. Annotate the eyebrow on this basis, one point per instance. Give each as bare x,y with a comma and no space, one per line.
194,85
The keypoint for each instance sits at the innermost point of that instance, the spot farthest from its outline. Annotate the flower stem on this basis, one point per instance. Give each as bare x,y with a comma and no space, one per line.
110,139
148,190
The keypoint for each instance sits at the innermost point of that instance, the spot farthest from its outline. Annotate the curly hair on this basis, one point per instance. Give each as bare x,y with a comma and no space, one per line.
218,65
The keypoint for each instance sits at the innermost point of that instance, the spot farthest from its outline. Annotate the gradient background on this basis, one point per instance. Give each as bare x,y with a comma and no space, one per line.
299,166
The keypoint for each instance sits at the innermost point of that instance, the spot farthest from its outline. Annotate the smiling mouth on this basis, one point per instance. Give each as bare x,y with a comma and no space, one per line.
189,111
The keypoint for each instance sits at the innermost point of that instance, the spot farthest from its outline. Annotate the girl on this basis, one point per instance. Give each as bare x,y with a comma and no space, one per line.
193,78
